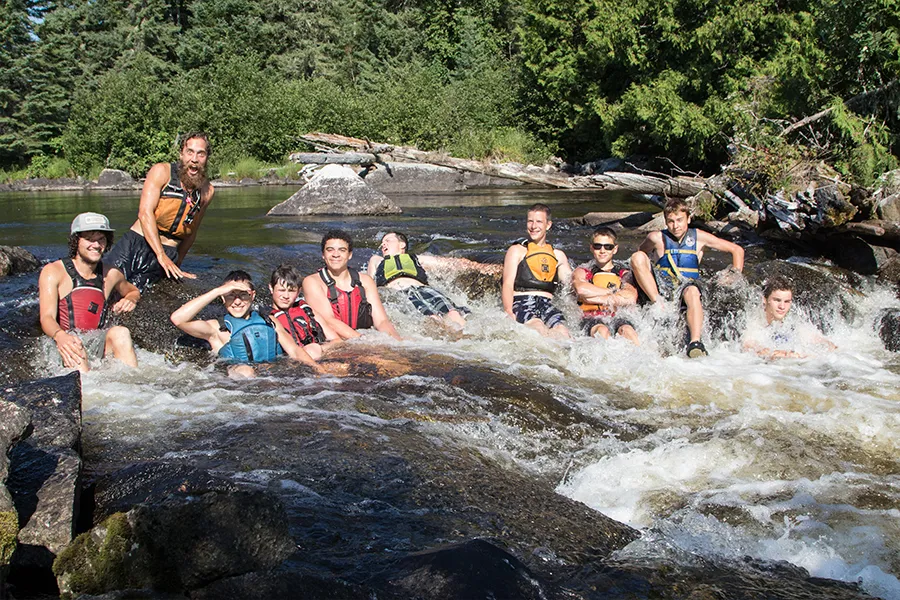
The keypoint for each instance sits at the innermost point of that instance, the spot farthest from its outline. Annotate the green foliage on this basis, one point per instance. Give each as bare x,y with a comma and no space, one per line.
244,168
51,167
9,529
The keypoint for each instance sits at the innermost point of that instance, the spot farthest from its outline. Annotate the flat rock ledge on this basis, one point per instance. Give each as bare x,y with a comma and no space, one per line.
336,190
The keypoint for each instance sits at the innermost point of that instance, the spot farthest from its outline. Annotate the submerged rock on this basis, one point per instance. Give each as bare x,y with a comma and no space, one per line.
15,260
336,190
179,544
888,326
473,569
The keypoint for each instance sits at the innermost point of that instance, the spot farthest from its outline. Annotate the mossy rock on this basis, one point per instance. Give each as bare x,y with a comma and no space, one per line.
96,561
9,529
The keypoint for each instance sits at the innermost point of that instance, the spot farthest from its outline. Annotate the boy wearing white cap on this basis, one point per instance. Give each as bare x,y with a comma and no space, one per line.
73,296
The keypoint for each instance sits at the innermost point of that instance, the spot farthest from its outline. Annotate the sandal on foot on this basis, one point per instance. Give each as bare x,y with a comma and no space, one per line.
696,350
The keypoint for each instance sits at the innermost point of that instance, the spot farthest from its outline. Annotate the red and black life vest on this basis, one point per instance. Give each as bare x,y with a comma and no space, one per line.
83,307
301,322
350,307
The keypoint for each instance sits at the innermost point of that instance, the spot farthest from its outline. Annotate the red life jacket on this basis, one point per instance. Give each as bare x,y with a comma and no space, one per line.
350,307
301,322
83,307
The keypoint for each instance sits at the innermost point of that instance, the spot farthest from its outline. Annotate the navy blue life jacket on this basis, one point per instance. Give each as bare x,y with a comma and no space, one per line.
680,260
253,340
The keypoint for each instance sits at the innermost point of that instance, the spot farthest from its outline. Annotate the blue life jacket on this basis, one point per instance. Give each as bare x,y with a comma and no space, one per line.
680,259
253,340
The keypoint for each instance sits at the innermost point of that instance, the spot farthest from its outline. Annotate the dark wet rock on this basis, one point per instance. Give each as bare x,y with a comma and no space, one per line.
15,423
55,404
851,252
472,569
888,327
181,543
623,219
267,585
336,190
115,179
151,483
414,178
45,470
133,595
833,205
476,284
15,260
889,270
42,184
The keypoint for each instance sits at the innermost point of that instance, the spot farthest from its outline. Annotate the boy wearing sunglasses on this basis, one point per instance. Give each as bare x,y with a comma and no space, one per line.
604,285
667,266
243,337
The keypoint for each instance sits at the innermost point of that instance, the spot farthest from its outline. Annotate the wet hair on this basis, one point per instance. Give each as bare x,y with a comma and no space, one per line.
674,205
777,283
287,275
196,135
540,208
239,275
73,242
400,236
337,234
604,230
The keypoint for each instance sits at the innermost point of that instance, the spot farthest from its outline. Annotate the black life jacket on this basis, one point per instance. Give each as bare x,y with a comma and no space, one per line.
350,307
85,306
300,321
537,271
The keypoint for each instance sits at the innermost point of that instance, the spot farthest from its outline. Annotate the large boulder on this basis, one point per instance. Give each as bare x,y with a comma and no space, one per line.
45,471
14,260
14,425
888,326
114,179
182,543
414,178
336,190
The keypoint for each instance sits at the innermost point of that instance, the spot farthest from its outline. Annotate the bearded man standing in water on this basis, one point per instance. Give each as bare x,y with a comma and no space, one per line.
174,199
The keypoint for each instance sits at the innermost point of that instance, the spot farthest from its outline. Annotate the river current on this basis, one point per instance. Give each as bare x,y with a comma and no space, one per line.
727,456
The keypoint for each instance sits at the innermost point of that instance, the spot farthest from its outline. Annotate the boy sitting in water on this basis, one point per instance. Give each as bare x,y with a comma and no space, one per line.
777,339
668,265
603,286
242,337
295,315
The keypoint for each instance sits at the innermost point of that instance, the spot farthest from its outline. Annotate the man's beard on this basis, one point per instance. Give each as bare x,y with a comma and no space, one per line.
196,182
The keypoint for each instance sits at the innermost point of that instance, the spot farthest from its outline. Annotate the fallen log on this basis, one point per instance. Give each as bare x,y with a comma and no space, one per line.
681,187
334,158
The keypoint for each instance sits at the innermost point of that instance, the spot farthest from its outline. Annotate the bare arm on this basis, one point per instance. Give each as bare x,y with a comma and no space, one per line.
69,346
115,280
564,269
589,293
156,180
292,348
705,239
652,245
316,294
510,266
183,317
372,267
379,316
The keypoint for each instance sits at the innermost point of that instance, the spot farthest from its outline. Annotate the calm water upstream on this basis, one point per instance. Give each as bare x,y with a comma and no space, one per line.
794,460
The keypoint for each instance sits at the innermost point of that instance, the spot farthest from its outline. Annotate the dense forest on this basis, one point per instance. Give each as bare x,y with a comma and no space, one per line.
87,84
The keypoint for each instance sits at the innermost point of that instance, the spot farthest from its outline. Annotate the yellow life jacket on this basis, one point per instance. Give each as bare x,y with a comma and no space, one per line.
538,269
602,279
400,265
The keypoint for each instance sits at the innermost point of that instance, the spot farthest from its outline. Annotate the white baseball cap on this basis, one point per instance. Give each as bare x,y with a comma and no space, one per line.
90,221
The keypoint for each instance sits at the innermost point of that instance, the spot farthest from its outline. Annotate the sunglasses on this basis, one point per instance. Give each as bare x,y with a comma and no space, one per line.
603,246
231,296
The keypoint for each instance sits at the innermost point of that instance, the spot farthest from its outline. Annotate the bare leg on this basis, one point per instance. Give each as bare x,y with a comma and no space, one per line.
241,372
600,330
691,297
118,342
454,316
628,332
643,275
314,350
560,332
538,326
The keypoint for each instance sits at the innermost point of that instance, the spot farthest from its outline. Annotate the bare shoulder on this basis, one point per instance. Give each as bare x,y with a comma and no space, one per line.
312,282
52,271
366,280
516,251
560,255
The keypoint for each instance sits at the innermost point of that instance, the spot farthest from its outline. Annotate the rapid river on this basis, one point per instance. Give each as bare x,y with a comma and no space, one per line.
725,457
